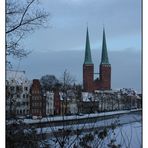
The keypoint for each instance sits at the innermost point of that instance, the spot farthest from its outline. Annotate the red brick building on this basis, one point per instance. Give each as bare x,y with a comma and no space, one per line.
103,82
37,100
57,102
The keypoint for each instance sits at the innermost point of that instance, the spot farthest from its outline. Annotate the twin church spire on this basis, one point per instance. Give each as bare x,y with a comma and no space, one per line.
103,80
104,57
88,59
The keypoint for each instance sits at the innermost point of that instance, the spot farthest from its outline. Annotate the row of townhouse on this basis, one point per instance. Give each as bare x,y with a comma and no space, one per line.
110,100
25,97
51,103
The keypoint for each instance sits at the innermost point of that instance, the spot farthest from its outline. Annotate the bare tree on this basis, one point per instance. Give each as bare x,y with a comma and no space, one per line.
67,81
22,17
65,132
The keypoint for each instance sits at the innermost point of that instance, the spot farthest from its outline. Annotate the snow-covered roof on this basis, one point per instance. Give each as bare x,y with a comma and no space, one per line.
87,96
128,91
49,93
106,91
64,96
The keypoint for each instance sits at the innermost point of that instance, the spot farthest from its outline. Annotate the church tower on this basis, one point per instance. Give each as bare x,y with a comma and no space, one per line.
88,67
105,67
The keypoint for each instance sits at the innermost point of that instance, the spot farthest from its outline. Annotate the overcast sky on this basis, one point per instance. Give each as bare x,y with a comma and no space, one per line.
62,45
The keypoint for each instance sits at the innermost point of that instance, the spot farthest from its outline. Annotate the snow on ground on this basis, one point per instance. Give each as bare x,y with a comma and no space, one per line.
57,118
127,132
127,136
124,119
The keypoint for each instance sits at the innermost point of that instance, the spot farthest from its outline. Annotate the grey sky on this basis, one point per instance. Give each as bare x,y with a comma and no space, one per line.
61,46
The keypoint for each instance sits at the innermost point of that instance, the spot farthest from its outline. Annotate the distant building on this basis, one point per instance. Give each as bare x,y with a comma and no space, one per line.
17,93
49,103
37,99
88,104
72,102
57,102
73,108
103,82
109,100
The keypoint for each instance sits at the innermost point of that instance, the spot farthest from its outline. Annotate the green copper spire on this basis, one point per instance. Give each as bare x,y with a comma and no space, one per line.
104,58
88,59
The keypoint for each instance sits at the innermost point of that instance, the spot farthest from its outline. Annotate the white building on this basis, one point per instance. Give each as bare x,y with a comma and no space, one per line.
17,93
110,100
69,102
49,103
73,107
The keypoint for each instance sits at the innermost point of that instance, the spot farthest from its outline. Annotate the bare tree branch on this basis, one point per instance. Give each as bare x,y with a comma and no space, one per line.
22,17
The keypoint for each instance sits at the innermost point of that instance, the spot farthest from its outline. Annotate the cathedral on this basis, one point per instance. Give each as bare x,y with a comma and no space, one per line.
103,82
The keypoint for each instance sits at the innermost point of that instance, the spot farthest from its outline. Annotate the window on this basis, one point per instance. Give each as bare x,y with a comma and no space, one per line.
12,88
18,88
25,88
27,103
18,96
18,104
17,111
23,95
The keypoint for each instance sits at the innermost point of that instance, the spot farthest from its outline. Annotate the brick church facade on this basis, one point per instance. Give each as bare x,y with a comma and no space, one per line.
103,82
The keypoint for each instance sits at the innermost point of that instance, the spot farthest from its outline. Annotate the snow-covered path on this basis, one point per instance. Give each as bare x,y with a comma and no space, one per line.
120,120
59,118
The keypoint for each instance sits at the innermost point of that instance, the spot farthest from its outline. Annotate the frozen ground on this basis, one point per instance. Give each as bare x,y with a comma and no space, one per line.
126,134
122,119
130,135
